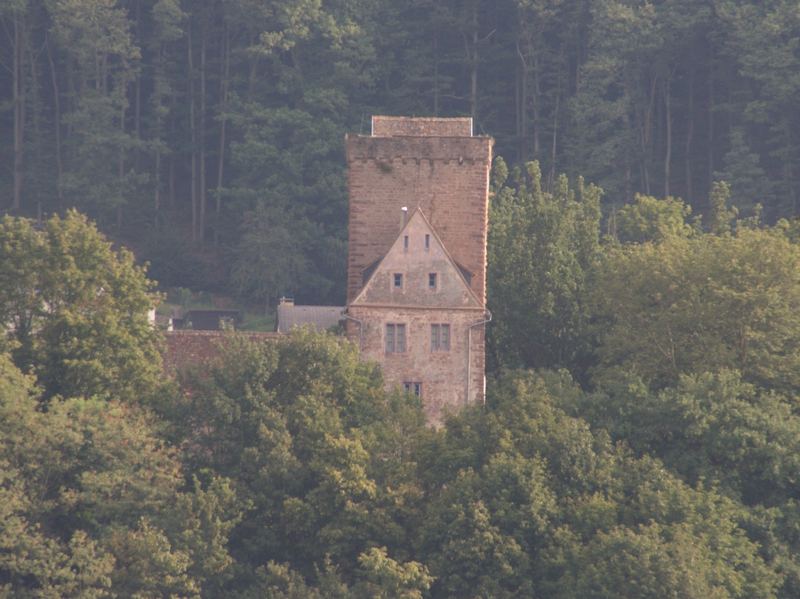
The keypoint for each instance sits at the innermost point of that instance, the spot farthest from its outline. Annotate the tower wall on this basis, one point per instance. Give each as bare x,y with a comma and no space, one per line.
447,176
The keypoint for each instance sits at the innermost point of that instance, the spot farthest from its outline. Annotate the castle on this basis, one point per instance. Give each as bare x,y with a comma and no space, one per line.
416,272
416,275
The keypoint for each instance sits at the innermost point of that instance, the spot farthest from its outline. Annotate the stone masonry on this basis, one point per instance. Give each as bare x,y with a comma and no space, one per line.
439,172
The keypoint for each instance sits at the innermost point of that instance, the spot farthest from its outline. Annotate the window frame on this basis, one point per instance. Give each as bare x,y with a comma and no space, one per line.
440,337
413,387
394,341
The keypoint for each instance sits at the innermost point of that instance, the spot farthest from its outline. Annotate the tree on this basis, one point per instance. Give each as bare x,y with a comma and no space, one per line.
526,499
94,505
689,305
651,219
720,216
541,247
96,37
749,185
317,450
76,310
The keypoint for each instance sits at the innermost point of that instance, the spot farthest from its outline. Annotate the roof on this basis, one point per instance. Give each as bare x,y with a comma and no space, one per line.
194,348
210,320
321,318
455,279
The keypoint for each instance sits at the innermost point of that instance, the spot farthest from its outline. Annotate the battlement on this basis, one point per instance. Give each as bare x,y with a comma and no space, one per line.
404,126
416,148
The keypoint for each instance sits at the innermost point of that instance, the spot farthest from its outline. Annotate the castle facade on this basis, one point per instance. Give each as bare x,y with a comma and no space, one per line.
416,277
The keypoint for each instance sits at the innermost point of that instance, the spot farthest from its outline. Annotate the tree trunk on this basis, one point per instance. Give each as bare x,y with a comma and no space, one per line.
522,106
223,98
668,152
647,135
57,125
435,74
137,99
535,105
253,73
554,145
157,202
689,136
787,168
710,131
473,58
202,133
193,134
121,162
172,135
157,190
18,84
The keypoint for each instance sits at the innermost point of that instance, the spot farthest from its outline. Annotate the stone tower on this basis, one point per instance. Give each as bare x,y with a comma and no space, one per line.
416,277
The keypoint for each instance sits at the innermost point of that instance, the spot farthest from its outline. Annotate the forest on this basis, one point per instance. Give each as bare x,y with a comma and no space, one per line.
640,437
207,135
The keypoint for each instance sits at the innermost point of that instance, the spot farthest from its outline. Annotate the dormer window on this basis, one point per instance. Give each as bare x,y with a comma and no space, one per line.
432,281
398,280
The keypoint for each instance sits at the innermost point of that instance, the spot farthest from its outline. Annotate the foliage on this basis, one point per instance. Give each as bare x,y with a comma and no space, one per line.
525,498
319,453
93,503
76,310
541,247
208,119
651,219
689,305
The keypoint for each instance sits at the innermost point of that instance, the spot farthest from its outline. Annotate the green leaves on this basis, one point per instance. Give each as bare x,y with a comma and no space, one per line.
541,246
651,219
93,502
702,303
77,310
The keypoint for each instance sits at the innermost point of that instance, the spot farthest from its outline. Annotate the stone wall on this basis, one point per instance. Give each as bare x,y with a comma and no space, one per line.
393,126
438,166
415,262
444,374
448,177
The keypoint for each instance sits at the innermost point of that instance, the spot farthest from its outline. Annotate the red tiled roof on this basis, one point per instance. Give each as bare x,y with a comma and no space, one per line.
192,348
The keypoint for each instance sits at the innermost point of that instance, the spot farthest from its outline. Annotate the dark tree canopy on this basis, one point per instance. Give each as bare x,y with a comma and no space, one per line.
184,127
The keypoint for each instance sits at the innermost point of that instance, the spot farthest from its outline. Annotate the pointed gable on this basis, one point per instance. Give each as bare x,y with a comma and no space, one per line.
417,271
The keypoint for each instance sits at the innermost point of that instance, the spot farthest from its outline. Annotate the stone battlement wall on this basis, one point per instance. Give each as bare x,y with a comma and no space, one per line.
389,126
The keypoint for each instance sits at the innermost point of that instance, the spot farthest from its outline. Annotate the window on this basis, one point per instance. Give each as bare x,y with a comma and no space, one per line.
398,280
431,280
427,242
440,337
414,387
405,243
395,338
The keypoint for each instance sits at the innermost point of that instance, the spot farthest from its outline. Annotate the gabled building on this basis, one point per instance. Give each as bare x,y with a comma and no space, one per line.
419,191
